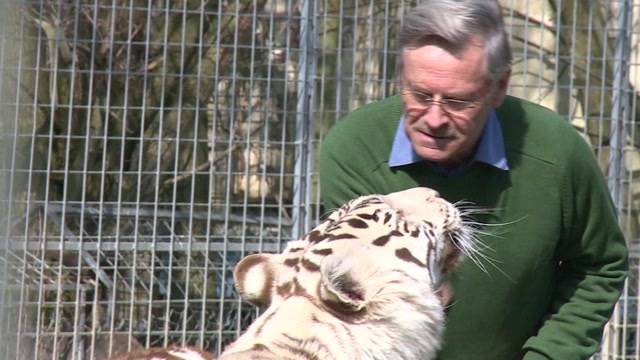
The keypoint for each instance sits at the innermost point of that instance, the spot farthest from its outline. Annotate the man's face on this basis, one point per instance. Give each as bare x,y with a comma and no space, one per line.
446,134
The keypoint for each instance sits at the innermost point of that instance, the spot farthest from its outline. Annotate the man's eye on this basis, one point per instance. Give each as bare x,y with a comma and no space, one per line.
455,101
457,104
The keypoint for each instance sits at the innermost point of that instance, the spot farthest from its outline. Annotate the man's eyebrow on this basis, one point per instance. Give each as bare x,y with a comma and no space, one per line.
463,97
419,89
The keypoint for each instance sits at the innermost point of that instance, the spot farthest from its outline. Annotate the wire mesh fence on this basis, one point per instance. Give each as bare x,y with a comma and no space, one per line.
148,145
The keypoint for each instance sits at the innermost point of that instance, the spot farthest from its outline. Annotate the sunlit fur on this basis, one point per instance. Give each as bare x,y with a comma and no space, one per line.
366,283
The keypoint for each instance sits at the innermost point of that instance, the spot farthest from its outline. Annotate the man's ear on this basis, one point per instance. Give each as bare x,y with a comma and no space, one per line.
501,87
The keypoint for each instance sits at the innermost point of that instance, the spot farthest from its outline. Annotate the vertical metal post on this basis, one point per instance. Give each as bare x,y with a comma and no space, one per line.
305,123
618,137
619,100
6,163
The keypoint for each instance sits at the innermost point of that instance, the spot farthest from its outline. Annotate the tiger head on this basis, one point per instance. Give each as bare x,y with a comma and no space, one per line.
366,283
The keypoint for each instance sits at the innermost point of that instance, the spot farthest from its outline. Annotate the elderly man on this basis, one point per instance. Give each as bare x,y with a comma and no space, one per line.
556,259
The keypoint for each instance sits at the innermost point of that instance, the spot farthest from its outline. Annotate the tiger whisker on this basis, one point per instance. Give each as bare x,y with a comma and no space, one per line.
477,253
466,207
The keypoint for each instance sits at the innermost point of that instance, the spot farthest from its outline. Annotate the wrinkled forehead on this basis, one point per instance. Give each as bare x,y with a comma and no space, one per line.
369,202
413,207
365,214
367,224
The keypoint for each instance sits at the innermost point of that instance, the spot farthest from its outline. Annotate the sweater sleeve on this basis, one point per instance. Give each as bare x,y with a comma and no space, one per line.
592,258
354,151
343,175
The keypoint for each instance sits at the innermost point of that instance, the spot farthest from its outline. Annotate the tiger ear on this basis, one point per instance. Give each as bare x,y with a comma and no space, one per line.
253,277
338,287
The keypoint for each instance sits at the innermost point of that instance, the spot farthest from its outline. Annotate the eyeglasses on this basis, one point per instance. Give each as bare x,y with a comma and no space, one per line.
452,105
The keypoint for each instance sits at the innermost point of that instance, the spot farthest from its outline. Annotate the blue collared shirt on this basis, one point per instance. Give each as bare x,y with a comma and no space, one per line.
490,149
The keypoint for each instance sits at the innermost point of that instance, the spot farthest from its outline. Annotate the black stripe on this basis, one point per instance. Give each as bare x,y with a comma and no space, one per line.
405,254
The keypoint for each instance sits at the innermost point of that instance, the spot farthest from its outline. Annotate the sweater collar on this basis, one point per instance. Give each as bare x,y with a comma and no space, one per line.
490,149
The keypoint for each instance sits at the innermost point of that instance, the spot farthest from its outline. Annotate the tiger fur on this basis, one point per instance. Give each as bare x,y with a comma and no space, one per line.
366,283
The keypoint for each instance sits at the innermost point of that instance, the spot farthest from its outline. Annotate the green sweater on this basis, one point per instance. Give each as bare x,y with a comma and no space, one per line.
559,257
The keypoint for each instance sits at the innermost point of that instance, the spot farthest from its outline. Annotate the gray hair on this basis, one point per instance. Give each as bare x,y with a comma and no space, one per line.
454,22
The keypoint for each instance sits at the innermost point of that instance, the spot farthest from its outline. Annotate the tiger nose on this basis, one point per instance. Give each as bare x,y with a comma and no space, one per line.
428,195
432,194
422,193
437,210
412,200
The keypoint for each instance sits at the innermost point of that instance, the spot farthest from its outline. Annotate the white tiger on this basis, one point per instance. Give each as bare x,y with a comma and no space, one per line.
367,283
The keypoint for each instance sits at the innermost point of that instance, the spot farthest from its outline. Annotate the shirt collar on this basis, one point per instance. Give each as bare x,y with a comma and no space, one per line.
490,149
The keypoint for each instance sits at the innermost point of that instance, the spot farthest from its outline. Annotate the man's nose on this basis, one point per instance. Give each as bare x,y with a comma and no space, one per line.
435,117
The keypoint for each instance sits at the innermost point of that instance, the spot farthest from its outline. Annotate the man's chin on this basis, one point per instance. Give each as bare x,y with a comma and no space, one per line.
436,156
